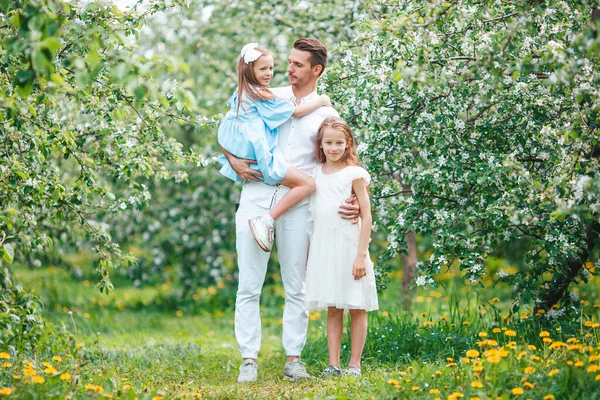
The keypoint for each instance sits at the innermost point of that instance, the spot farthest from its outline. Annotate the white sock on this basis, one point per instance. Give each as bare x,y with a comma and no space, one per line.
268,220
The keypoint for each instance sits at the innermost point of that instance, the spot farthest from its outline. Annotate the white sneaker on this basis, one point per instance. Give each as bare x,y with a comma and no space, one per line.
263,234
295,370
248,371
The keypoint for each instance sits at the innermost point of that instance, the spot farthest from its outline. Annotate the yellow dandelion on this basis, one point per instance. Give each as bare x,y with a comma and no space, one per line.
476,384
451,364
544,334
532,347
478,368
556,345
385,314
16,377
5,391
496,330
592,368
553,372
392,382
415,388
466,323
47,364
6,365
579,364
427,323
65,376
598,377
517,391
57,358
4,355
438,373
179,313
434,391
510,333
68,397
157,398
126,387
472,353
79,346
482,334
548,397
521,355
528,385
492,342
38,379
29,371
529,370
547,340
455,395
494,359
50,371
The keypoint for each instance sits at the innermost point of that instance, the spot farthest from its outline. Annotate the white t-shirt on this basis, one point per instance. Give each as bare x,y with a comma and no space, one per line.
296,139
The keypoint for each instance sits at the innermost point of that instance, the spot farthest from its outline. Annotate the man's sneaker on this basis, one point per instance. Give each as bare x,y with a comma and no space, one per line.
330,371
248,371
353,371
262,233
295,370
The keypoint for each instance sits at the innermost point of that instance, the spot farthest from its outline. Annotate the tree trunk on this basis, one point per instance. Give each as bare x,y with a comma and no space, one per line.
409,263
549,297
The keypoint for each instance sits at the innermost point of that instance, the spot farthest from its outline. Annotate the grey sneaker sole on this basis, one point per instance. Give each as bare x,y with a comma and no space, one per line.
260,244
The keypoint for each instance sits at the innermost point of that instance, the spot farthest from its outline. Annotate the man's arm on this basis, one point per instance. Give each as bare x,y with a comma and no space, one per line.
242,168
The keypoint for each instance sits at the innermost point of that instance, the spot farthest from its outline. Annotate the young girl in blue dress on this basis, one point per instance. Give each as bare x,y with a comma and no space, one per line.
249,131
339,272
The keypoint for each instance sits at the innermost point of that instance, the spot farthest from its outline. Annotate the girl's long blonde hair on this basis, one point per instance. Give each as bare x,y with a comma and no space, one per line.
247,79
350,156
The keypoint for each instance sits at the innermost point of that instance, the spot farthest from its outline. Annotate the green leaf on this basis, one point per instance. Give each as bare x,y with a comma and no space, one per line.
185,68
38,60
140,92
8,253
52,43
93,58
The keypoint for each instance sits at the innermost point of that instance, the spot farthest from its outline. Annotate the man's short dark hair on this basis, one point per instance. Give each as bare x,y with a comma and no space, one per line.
317,50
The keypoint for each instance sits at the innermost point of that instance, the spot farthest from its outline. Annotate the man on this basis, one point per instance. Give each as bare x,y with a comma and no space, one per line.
306,63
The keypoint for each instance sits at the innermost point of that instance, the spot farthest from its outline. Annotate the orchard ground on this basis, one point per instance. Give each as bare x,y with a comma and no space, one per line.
459,341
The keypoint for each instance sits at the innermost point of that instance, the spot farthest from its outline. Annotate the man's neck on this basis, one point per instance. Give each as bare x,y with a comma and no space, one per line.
302,92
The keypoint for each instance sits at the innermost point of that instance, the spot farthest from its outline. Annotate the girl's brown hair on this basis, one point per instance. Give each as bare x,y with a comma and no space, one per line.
350,156
247,79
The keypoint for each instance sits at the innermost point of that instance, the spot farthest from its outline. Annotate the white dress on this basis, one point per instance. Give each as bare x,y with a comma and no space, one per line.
334,245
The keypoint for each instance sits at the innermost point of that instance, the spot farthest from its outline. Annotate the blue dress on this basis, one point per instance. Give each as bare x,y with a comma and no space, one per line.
251,133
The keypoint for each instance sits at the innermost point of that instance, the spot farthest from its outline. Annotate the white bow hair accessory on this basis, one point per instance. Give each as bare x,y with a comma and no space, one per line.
249,53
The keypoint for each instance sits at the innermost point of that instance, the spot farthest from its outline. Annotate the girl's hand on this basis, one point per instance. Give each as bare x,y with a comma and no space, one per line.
325,100
359,269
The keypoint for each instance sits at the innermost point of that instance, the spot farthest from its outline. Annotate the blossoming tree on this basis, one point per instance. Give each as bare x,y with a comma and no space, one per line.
489,111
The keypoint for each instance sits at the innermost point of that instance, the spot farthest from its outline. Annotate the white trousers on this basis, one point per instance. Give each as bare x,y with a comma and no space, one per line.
292,242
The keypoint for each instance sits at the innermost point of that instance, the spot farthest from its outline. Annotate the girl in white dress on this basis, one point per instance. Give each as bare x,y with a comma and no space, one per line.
339,271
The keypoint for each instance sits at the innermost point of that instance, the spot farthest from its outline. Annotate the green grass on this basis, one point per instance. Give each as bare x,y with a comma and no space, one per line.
142,343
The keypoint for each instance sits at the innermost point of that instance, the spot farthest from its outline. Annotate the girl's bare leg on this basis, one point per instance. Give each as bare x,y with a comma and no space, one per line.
301,186
358,335
335,323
